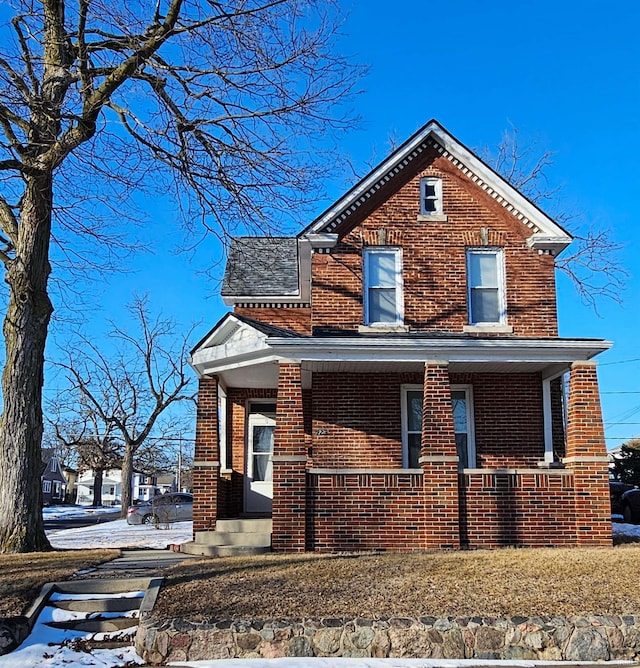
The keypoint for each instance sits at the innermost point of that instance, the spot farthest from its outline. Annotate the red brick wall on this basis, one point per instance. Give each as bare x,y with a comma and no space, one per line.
289,464
509,425
205,472
525,509
587,456
434,260
295,319
361,410
364,511
439,460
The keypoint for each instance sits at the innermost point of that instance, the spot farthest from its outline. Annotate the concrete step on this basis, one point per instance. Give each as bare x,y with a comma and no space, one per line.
223,550
230,538
261,525
96,624
98,604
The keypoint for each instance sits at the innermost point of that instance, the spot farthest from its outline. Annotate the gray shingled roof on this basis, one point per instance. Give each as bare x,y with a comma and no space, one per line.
261,267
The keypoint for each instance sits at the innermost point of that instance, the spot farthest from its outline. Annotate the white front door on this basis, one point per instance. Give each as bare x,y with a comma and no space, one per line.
259,477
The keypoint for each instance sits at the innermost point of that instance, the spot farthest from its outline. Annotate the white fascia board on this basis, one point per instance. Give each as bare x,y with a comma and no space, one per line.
488,176
221,332
406,350
204,367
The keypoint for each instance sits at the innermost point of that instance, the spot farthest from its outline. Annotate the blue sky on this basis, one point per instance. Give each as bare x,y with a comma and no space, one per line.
566,74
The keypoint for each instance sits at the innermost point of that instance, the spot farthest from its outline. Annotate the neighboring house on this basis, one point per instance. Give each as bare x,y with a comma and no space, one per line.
144,487
111,487
392,377
54,484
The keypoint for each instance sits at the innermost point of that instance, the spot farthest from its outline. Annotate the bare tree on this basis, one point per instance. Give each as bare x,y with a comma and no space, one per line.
223,105
592,261
81,433
129,390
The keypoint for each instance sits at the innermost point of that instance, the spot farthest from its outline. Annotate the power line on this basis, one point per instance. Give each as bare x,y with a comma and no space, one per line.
633,359
622,392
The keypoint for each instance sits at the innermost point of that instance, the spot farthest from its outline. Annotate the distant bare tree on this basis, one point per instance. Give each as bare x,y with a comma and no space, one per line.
592,261
80,431
222,105
127,391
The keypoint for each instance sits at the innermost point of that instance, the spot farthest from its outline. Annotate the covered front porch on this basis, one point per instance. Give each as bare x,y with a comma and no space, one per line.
400,443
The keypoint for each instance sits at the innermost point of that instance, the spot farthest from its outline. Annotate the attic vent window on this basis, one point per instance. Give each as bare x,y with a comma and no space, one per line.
431,196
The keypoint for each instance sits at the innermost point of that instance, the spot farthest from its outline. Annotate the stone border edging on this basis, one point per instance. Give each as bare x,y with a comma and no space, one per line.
593,638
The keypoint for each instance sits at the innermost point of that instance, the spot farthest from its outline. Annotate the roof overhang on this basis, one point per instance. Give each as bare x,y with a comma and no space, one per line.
242,356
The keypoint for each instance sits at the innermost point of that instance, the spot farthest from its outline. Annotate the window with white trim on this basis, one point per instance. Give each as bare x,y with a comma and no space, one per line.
485,284
46,486
383,301
430,196
462,409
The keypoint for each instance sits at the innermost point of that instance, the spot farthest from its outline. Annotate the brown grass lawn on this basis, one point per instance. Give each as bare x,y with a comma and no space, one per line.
22,575
504,582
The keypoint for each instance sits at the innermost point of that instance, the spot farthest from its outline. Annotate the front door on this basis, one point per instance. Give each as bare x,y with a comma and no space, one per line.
259,477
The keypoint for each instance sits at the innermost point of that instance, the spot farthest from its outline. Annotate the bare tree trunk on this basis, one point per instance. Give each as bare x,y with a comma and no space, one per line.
98,475
25,331
127,476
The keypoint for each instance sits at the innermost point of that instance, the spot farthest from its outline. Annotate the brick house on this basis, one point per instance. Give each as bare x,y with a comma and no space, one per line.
392,377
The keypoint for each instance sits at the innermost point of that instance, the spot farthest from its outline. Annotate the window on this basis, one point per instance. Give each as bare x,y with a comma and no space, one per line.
485,280
383,286
57,488
412,427
430,196
46,486
462,425
462,408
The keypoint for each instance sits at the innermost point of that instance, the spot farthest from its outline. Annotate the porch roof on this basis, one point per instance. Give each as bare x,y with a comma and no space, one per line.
245,356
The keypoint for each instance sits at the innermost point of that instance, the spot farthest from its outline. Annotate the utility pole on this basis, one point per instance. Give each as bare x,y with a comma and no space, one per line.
180,463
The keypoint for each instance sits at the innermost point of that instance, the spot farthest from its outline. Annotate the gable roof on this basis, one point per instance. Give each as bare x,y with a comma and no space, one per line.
546,233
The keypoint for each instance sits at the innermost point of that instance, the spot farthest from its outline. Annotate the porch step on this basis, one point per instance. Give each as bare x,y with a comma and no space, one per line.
232,537
222,550
255,525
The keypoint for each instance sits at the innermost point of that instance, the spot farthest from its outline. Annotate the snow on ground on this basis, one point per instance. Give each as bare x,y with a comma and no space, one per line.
120,534
62,512
628,530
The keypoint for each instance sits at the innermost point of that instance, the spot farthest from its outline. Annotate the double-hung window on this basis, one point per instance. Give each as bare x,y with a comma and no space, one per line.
383,303
485,283
462,409
430,196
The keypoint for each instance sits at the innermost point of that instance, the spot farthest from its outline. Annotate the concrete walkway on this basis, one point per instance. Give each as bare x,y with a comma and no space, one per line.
135,563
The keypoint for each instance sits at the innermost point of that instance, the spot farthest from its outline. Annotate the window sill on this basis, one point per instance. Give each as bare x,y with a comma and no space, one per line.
367,329
488,329
433,218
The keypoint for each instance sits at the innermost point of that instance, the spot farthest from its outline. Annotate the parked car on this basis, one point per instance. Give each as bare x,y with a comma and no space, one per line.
172,507
630,505
616,492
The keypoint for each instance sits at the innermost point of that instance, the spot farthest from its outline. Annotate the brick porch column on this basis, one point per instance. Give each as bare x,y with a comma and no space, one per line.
439,460
206,459
289,464
586,455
